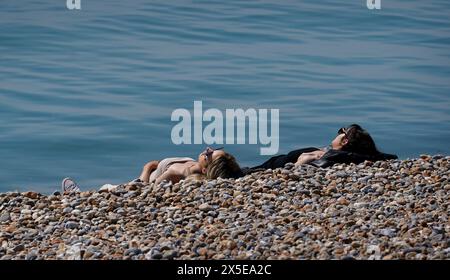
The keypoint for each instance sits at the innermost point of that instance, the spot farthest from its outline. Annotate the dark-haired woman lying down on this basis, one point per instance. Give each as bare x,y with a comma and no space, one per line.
353,144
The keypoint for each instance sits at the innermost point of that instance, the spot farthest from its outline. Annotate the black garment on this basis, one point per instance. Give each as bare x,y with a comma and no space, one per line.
281,160
330,158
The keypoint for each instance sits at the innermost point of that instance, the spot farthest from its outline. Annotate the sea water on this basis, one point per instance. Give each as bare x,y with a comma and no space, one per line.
89,93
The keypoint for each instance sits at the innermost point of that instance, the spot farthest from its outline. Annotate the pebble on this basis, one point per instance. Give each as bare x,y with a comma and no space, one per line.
32,195
133,252
71,225
19,248
32,255
375,210
205,207
155,255
5,217
387,232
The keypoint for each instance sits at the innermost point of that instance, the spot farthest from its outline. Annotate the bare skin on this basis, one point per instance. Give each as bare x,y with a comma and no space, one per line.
337,144
179,171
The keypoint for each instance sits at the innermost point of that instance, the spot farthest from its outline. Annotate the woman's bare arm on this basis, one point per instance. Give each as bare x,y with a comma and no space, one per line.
170,175
308,157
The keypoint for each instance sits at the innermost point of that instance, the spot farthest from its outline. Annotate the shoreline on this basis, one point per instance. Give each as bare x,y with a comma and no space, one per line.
396,209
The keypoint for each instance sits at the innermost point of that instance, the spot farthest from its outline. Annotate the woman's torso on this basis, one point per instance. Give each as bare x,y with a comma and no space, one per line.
180,163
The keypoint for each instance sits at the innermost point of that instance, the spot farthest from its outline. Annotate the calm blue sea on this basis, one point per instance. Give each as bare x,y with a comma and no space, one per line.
89,94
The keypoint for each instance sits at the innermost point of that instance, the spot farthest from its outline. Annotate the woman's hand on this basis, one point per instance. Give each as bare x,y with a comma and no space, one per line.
308,157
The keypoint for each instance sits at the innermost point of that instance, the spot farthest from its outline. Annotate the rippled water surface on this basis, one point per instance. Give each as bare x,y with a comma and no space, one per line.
89,93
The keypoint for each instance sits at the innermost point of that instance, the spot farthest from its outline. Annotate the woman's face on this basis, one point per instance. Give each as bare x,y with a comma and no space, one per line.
208,156
339,141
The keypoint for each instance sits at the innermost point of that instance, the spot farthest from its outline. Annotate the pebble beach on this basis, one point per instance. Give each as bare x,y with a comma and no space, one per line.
396,209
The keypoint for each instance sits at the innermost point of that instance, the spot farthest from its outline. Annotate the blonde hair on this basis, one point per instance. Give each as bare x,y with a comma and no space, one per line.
224,166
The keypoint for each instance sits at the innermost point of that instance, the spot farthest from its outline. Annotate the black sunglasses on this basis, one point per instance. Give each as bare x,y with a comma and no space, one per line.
343,130
209,151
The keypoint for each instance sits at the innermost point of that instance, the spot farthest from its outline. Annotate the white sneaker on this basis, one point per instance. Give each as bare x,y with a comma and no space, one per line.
68,185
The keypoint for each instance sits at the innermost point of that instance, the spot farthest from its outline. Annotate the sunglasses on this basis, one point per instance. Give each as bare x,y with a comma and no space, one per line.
343,130
209,151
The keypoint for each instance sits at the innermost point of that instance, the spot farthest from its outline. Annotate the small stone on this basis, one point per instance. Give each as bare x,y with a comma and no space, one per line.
32,255
425,157
131,187
26,211
205,207
154,255
360,204
231,245
10,229
202,251
85,194
212,214
387,232
88,253
342,201
5,217
32,195
19,248
73,252
133,252
374,252
113,218
71,225
67,210
170,254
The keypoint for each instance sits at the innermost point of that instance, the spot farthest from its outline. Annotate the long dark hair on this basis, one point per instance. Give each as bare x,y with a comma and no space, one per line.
359,140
